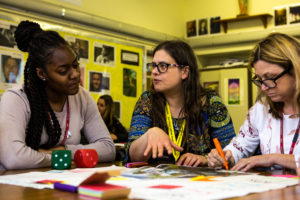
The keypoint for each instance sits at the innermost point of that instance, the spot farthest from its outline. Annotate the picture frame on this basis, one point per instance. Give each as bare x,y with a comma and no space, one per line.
80,46
234,95
11,67
203,26
129,57
104,54
99,82
280,16
215,26
129,82
118,110
294,14
191,29
213,85
7,31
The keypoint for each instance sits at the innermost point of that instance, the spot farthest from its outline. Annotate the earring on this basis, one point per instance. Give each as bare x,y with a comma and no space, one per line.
44,79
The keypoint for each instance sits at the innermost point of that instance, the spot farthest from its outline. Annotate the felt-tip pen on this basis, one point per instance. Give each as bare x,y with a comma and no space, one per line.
136,164
220,151
65,187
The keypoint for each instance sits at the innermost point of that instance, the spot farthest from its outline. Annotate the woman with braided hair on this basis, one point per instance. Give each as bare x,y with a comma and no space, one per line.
50,110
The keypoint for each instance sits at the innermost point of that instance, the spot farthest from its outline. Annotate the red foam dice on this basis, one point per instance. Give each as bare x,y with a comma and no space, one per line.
86,158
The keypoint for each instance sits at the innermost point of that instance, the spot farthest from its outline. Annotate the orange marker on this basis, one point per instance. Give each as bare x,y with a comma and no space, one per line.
220,151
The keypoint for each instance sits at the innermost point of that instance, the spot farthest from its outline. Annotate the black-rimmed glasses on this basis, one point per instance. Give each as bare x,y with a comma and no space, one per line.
161,67
270,82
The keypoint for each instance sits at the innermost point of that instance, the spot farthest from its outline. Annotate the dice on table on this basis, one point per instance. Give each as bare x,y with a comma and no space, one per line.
61,159
86,158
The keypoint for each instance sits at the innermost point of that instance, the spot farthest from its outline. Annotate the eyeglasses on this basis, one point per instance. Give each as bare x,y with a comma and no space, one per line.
270,82
161,67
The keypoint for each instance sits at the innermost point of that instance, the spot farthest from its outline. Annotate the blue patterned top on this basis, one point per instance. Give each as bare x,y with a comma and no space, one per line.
218,124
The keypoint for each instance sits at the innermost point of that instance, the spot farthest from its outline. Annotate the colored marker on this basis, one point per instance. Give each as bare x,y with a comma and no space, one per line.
136,164
65,187
220,151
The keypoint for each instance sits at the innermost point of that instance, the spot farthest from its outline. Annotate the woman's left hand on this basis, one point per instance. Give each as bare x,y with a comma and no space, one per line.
113,136
246,164
189,159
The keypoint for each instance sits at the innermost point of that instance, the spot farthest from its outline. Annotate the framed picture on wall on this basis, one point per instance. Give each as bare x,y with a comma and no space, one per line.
80,46
203,26
215,26
129,57
95,81
99,82
294,14
117,113
234,91
7,31
280,16
104,54
191,28
11,68
129,82
214,85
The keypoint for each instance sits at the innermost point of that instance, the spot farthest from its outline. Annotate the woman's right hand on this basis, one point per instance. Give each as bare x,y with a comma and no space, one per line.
158,140
216,161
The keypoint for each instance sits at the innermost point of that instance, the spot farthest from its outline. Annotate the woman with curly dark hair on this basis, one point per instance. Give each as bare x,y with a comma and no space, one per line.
50,110
177,120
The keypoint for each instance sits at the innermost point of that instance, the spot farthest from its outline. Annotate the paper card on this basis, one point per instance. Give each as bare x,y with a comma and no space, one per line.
100,177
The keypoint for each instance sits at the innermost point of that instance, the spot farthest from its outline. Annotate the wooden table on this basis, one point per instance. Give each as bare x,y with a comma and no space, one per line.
11,192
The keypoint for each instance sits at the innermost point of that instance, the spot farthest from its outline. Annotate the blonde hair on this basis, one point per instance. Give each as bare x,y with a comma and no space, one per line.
283,50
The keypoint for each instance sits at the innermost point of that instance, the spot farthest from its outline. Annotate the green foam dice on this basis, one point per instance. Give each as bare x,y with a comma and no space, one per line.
61,159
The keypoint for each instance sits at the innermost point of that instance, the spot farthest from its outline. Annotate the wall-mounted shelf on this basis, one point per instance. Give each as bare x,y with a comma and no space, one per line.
262,17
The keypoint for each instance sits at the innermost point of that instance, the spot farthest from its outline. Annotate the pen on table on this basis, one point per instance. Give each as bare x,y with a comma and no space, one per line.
220,151
65,187
136,164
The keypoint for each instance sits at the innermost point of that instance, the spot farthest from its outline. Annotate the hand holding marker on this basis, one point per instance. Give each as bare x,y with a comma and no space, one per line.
220,151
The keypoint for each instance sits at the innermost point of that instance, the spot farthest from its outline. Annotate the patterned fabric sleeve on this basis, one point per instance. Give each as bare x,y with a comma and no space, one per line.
246,142
141,121
220,121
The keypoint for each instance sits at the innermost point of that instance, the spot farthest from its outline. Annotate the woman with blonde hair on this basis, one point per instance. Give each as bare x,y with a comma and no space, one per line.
273,122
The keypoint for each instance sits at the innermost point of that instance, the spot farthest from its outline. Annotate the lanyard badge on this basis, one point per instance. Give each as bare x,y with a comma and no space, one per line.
178,142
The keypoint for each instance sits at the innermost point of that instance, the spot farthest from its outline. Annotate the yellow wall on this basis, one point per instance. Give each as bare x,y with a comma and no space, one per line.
229,8
164,16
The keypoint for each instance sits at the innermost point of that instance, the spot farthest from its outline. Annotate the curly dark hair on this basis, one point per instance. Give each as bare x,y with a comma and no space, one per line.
195,96
40,46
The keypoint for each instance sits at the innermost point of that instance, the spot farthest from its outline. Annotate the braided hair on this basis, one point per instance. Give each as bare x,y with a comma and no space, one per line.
40,46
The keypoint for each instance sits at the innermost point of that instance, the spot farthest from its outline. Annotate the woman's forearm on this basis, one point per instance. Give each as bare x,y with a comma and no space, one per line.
138,147
284,160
